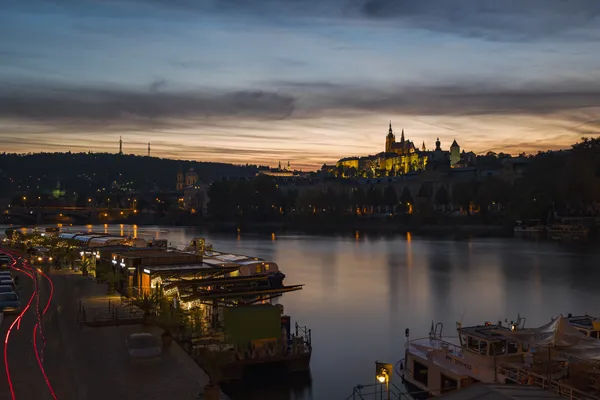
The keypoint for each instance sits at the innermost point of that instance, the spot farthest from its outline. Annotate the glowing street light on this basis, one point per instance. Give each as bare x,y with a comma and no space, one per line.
383,372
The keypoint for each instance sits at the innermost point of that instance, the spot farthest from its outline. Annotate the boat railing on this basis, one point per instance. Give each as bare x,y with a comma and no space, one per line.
524,376
360,392
403,370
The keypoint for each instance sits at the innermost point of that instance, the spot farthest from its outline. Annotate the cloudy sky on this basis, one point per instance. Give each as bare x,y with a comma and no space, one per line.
308,81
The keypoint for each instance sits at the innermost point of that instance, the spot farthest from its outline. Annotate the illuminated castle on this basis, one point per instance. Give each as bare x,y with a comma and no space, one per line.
399,158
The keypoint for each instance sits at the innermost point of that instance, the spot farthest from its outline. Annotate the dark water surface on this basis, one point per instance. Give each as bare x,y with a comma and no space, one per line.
361,293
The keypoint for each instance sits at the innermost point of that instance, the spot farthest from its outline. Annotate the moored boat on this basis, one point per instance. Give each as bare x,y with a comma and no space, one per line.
562,355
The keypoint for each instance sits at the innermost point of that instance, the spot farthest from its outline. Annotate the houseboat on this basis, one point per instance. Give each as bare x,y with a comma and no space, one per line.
558,355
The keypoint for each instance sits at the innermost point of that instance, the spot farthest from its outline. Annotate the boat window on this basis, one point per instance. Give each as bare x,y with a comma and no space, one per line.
473,344
513,347
448,384
594,334
499,347
420,373
483,347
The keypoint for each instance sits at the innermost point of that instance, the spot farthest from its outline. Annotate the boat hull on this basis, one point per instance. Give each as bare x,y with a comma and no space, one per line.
288,364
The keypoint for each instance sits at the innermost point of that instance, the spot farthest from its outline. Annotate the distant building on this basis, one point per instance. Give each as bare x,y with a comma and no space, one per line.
189,179
195,199
279,171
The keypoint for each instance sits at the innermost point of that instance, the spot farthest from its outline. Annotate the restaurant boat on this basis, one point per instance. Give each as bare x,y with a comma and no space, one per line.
556,356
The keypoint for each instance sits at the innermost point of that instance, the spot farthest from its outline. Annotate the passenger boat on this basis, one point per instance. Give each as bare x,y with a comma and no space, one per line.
535,228
565,231
562,355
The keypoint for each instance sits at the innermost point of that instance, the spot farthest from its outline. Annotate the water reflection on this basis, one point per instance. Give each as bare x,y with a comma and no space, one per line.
361,293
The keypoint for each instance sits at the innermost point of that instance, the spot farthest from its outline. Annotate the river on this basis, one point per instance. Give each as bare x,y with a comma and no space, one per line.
362,292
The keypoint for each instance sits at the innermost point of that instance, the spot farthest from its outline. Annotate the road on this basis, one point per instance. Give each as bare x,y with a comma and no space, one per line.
83,363
24,345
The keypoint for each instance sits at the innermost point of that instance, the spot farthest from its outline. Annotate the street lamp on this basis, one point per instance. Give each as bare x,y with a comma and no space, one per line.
383,372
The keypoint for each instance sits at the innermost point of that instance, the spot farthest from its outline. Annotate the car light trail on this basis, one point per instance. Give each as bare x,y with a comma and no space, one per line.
37,356
36,293
17,322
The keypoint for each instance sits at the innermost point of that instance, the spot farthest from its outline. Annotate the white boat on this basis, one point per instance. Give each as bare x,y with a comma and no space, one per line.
565,231
436,365
521,227
556,355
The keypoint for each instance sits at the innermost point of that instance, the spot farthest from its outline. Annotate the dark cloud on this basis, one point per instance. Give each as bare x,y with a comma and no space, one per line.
157,109
488,19
451,100
95,105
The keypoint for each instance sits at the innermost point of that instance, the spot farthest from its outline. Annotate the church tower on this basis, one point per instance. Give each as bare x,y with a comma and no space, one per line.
390,139
180,180
424,148
438,145
454,153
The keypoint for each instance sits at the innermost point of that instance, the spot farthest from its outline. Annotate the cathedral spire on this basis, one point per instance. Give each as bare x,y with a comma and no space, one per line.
402,137
390,132
424,148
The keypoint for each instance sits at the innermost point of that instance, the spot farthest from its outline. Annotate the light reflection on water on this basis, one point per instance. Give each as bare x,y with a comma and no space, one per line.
363,290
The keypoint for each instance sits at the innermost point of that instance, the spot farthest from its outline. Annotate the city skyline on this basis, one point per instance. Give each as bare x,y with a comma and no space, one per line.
231,82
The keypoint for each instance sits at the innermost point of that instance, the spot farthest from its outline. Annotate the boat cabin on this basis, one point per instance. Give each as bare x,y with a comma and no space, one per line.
487,341
585,324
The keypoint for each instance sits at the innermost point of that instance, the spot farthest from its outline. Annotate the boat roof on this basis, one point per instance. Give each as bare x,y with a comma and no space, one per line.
187,267
487,332
582,321
500,392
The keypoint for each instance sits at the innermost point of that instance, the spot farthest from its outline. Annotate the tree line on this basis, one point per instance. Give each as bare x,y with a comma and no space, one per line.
555,182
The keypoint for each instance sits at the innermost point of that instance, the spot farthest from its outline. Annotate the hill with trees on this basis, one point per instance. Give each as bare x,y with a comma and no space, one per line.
85,172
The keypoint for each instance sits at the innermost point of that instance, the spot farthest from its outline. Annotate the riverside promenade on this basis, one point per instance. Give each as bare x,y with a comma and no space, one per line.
98,358
81,362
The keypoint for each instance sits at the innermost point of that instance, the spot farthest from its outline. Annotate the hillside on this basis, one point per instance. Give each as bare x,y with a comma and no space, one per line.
84,172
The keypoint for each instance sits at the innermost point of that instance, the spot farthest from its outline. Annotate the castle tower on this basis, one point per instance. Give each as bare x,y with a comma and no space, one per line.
120,146
390,139
454,153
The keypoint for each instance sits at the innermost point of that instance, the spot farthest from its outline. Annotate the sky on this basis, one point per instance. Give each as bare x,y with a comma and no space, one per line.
309,81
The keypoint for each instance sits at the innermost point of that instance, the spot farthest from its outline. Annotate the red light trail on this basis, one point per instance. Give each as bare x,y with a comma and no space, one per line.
33,276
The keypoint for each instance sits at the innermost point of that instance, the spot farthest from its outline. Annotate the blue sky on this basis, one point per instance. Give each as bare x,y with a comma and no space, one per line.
306,81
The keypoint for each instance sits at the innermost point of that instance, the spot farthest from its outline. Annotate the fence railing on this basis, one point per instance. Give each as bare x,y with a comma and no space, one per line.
109,314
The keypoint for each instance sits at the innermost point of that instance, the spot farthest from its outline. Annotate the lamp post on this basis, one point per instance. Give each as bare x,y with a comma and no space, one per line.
383,372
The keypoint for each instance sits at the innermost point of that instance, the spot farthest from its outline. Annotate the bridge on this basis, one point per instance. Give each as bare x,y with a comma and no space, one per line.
63,214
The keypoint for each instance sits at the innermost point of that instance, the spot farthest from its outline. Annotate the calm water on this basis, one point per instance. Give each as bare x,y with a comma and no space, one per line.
361,294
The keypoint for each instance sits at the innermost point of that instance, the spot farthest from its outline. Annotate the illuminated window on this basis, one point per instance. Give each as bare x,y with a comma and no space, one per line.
258,270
